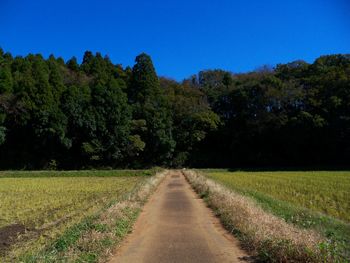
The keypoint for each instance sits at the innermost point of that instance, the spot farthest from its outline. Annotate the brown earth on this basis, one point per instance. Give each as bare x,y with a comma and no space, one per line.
176,226
8,236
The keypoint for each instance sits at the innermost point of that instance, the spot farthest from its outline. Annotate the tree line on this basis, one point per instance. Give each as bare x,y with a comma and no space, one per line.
57,114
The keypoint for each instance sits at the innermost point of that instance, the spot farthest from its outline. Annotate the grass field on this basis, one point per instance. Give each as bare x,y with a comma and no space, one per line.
325,192
42,205
79,173
317,200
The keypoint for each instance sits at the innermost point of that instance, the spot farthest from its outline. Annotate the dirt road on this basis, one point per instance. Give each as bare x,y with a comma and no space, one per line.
176,226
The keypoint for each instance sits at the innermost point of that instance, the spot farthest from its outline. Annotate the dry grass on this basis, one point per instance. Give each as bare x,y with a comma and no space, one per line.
96,237
269,236
114,224
47,207
326,192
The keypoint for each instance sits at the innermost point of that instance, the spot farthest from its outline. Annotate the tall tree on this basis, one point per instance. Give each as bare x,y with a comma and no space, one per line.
150,104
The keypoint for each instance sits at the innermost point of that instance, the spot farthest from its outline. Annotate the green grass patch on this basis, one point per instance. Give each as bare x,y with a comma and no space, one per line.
70,247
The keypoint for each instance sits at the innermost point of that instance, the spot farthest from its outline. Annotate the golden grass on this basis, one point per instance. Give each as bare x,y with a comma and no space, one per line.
271,237
104,231
327,192
122,213
48,206
35,202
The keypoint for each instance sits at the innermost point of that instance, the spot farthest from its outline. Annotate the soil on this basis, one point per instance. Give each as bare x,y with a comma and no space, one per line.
8,236
177,226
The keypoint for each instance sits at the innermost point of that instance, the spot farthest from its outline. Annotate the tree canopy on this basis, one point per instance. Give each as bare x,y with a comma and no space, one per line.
65,115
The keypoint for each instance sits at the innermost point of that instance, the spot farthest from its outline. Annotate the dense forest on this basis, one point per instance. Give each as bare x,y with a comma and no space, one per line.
57,114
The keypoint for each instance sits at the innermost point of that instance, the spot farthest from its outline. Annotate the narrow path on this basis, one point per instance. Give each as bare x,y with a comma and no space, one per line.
176,226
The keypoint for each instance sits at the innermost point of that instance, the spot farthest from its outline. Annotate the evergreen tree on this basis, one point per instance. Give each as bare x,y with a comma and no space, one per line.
72,64
100,114
150,104
6,81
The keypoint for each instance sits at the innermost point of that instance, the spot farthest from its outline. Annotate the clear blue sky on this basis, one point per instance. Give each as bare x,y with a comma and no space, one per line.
182,36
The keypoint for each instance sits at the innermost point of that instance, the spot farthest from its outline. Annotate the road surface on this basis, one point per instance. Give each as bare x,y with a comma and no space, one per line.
176,226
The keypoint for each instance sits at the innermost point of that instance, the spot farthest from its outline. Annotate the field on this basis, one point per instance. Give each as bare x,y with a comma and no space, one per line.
81,216
325,192
316,200
42,205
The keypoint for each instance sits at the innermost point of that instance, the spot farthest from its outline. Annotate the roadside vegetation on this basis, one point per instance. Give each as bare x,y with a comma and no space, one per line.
69,218
327,192
273,227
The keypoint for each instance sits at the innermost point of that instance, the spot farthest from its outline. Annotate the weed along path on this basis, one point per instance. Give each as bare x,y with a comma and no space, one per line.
176,226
